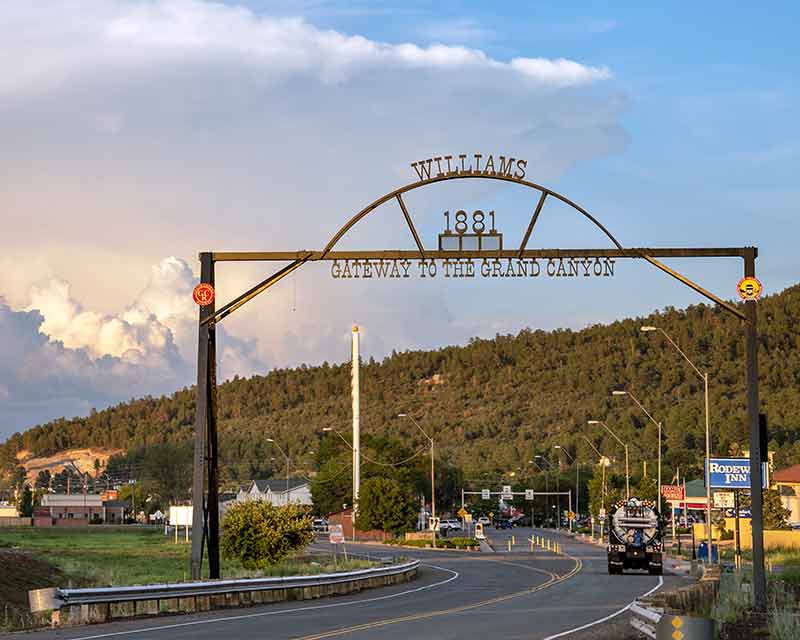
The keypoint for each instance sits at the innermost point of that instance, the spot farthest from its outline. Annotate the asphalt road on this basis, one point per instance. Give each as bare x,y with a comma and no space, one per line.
503,595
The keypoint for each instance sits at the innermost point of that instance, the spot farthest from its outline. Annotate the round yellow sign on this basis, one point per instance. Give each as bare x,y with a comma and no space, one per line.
749,288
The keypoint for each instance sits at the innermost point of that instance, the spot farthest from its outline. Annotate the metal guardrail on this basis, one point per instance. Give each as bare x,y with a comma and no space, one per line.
68,597
654,623
643,616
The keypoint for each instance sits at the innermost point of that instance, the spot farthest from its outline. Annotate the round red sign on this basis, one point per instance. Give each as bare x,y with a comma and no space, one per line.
203,294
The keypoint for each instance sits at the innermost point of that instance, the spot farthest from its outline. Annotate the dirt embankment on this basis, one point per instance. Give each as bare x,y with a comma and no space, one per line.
81,458
20,572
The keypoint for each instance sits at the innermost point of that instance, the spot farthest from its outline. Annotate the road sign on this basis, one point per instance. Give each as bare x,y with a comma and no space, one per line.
433,524
336,534
723,499
602,515
486,494
491,514
570,515
479,532
507,494
749,288
203,294
529,494
462,512
733,473
468,517
672,492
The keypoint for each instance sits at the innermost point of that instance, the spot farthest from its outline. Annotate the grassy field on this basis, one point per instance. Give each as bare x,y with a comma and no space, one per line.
116,556
112,556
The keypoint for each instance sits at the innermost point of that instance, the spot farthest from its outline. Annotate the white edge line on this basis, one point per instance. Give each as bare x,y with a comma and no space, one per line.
613,615
276,613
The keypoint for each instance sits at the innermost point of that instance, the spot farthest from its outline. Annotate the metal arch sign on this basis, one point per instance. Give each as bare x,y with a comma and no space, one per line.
203,294
749,288
469,245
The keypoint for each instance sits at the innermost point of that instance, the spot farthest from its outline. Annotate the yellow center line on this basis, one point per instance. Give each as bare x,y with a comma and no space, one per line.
554,579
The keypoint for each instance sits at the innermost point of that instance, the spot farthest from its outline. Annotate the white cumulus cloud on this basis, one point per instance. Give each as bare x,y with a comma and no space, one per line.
133,130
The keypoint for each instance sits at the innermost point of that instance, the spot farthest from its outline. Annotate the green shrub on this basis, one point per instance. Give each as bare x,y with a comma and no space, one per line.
259,535
462,543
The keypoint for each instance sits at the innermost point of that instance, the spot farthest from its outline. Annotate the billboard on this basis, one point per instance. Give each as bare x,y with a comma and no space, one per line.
672,492
732,473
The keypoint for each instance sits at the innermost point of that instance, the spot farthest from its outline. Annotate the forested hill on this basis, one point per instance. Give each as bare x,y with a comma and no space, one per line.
492,404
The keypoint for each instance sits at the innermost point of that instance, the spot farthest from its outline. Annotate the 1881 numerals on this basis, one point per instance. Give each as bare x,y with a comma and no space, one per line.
461,222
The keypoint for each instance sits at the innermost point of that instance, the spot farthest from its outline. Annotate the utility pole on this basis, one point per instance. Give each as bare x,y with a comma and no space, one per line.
433,473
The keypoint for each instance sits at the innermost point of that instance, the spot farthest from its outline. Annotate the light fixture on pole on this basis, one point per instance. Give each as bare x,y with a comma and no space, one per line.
704,378
627,470
433,473
655,422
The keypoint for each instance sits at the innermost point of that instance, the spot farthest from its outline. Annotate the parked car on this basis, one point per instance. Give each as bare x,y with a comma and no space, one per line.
320,525
503,524
484,520
450,524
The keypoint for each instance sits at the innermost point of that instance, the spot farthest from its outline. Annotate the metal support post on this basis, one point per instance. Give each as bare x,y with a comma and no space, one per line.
751,353
205,514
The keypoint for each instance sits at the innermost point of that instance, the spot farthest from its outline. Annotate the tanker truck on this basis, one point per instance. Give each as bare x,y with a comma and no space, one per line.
634,537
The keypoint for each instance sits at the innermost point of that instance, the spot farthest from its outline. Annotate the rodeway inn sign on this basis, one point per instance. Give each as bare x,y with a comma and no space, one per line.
733,473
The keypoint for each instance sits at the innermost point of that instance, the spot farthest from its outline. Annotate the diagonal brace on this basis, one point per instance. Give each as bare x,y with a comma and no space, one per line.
696,287
254,291
411,225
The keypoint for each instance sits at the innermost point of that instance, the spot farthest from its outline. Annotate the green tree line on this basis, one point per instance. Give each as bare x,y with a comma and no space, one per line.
490,405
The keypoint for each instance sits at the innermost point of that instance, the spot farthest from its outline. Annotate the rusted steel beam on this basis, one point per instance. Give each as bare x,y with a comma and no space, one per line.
399,254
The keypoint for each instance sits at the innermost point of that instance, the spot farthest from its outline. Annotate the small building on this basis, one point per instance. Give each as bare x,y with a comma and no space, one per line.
787,483
277,492
8,510
77,510
345,518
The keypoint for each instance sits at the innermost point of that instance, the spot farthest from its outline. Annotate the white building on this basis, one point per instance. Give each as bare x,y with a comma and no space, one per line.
275,491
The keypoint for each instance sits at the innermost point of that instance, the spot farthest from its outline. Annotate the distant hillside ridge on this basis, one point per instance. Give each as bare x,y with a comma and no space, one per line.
492,403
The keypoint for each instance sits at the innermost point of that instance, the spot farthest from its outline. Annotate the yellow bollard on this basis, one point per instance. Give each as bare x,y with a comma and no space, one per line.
548,544
509,545
513,541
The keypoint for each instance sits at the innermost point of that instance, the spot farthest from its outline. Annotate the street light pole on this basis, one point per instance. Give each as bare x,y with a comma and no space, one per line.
658,424
627,469
547,490
577,480
287,466
433,472
704,378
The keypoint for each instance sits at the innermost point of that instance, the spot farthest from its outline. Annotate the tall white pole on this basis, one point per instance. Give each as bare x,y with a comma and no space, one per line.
355,388
659,470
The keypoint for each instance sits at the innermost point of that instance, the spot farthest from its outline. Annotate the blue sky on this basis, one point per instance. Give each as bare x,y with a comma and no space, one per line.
139,133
